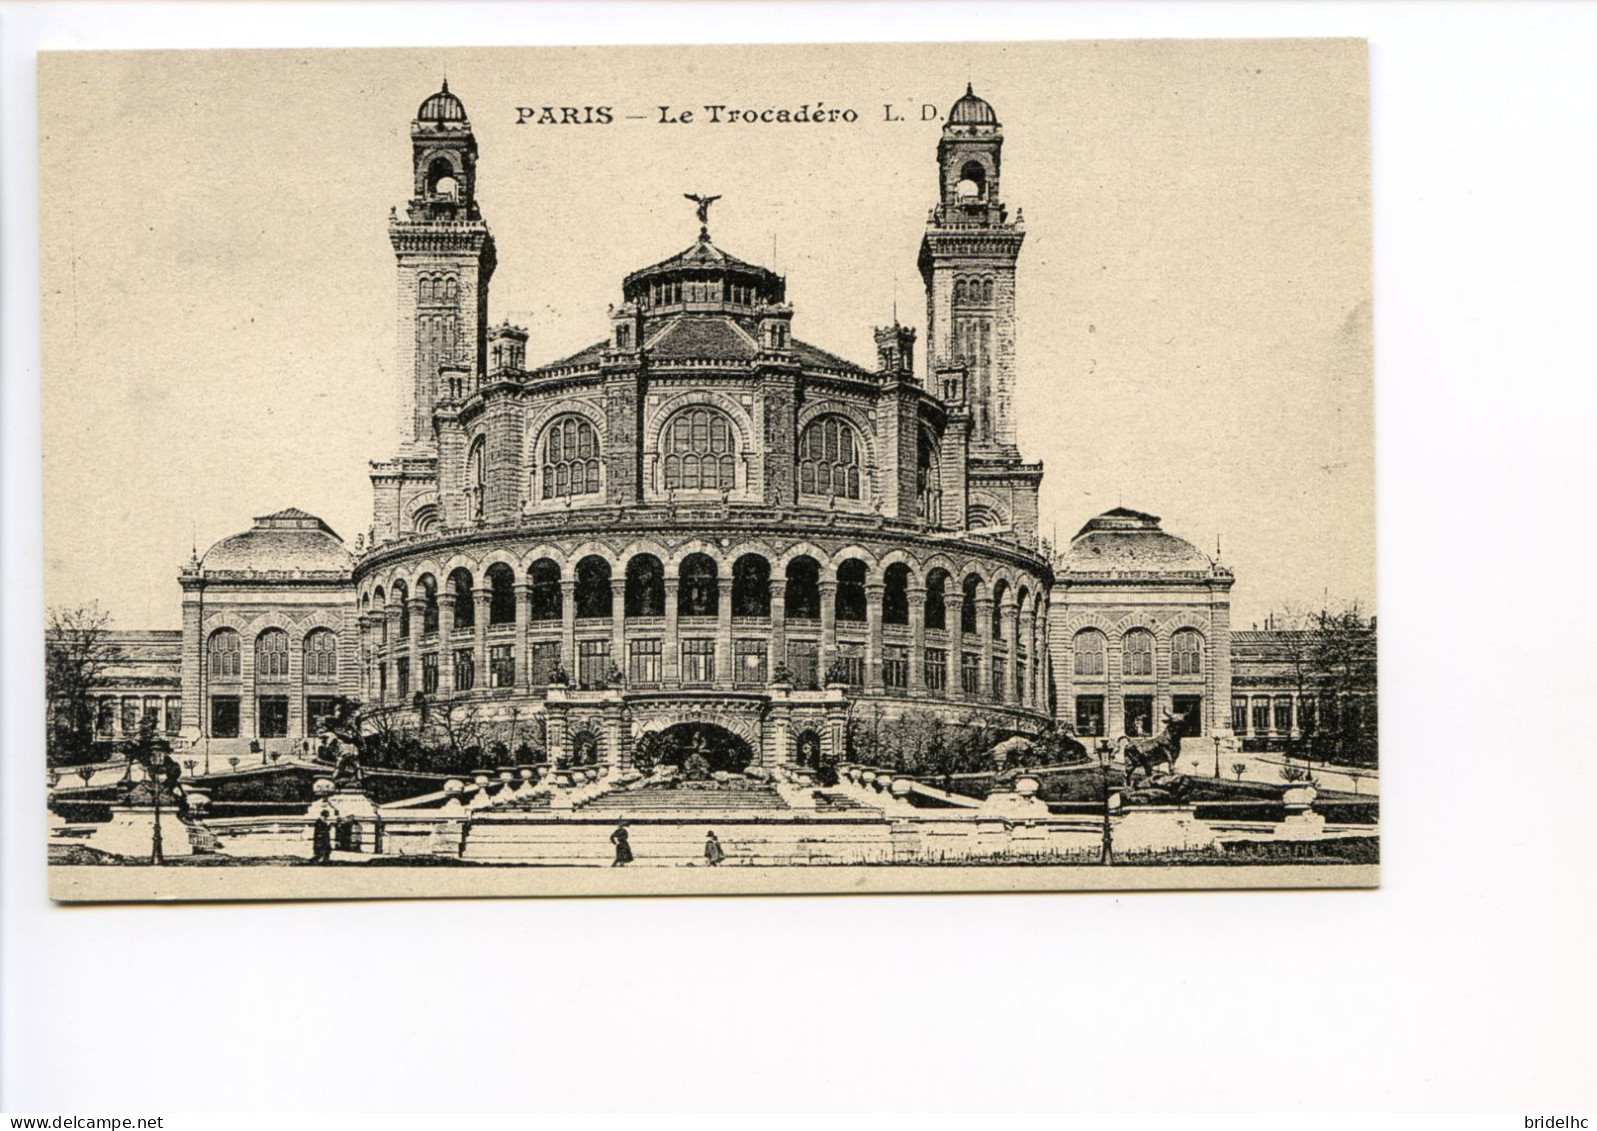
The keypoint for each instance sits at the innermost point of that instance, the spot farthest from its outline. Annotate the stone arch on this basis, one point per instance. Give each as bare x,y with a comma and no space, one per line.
1080,620
685,550
1185,618
689,398
498,556
542,550
421,569
779,562
593,548
986,509
917,575
830,563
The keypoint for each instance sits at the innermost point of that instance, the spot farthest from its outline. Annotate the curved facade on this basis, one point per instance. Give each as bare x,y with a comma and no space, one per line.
702,517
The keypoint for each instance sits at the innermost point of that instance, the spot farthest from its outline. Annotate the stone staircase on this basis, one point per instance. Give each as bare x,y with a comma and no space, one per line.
684,800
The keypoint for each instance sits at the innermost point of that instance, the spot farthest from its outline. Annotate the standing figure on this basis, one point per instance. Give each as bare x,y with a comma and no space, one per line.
623,849
713,852
322,838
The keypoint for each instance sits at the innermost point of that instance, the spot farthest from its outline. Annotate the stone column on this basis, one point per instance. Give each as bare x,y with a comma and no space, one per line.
670,653
418,612
1028,635
874,591
618,626
828,651
367,657
778,626
446,644
723,632
953,609
482,599
568,628
984,632
1115,708
524,635
397,646
917,641
1012,640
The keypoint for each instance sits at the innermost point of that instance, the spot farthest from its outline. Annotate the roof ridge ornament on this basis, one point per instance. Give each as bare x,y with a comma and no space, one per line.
704,203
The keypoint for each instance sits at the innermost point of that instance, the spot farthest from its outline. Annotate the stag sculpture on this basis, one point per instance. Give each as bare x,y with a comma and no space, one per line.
1145,753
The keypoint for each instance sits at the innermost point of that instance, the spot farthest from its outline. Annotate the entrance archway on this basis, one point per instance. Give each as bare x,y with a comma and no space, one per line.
720,748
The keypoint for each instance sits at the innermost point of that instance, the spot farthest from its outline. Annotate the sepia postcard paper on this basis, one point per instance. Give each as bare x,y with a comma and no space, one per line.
668,470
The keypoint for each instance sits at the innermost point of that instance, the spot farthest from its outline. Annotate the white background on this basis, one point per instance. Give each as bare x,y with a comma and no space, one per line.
1465,983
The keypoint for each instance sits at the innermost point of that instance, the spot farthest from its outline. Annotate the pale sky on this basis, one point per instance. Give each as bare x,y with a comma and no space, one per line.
1193,293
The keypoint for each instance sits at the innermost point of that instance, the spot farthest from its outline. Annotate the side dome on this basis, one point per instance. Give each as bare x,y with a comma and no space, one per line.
1124,539
288,540
442,107
972,110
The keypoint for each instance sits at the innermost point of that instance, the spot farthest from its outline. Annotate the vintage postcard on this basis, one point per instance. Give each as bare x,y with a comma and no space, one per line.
708,470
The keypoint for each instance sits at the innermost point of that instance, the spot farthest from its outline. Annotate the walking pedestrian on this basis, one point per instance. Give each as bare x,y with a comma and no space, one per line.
713,852
623,849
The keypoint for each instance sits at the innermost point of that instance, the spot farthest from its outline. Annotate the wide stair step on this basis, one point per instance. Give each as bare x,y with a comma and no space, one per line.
637,800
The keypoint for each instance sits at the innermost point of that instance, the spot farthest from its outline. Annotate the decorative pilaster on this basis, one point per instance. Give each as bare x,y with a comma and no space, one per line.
1028,636
828,650
984,632
568,627
723,633
482,601
524,635
917,646
778,626
874,590
670,648
953,613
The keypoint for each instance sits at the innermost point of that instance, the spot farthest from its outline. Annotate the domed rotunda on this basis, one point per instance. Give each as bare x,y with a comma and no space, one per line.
701,521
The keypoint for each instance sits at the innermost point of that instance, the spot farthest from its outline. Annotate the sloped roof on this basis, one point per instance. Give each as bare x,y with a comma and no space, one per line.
289,539
1126,539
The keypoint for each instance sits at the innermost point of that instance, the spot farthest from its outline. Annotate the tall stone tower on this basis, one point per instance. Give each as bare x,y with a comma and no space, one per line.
446,257
967,260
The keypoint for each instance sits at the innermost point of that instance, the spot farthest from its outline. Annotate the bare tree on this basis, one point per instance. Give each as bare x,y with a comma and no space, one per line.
77,650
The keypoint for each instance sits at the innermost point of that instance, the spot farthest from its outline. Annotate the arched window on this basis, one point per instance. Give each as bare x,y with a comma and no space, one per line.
502,594
546,598
400,597
1138,652
593,596
699,591
427,590
570,460
972,182
425,520
895,594
937,600
225,654
380,604
271,655
967,608
321,655
476,482
829,459
465,605
1000,595
751,586
850,602
1090,648
803,588
645,587
1186,652
700,452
